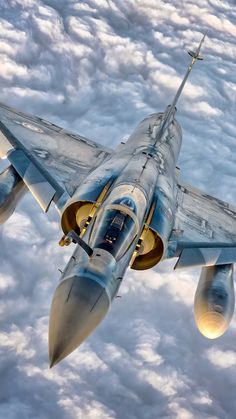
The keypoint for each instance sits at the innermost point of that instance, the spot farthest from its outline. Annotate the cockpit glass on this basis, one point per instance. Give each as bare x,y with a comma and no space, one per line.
114,228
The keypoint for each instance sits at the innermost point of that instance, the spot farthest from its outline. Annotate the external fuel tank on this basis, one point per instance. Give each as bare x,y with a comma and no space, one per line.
12,188
214,300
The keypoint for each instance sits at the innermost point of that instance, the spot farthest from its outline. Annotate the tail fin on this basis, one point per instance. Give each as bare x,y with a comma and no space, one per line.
195,54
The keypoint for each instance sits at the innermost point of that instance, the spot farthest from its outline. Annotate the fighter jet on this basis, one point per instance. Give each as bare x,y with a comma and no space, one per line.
120,208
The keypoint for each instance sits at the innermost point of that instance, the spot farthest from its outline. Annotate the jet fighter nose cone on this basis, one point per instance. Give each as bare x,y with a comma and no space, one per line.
78,306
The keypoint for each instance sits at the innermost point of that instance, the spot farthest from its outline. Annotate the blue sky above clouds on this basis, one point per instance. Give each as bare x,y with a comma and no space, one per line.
99,67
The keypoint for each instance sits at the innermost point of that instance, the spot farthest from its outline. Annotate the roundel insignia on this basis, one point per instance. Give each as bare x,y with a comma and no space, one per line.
32,127
27,125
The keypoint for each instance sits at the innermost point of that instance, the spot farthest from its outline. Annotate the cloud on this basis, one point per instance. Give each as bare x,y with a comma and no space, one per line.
98,68
222,359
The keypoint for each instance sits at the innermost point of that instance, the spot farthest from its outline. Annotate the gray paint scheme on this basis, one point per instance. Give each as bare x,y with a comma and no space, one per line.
67,168
207,256
199,218
202,218
38,185
63,156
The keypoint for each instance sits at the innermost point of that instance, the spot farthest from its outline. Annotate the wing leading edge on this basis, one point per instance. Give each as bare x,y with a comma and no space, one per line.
51,161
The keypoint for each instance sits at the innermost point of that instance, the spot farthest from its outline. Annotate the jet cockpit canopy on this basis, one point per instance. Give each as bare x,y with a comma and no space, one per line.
115,227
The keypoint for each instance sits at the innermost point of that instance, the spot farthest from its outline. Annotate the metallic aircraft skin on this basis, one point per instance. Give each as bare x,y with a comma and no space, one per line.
144,170
121,208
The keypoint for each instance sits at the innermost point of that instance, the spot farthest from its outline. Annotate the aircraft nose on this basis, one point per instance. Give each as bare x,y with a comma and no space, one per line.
79,304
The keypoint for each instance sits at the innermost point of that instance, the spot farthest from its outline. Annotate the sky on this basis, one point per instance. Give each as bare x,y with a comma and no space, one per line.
98,67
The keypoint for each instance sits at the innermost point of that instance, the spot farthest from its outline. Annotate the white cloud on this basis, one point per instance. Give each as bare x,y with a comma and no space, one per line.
222,25
180,412
204,109
6,282
18,340
202,398
19,228
222,359
168,385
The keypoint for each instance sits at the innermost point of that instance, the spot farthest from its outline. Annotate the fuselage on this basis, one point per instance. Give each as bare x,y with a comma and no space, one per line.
141,172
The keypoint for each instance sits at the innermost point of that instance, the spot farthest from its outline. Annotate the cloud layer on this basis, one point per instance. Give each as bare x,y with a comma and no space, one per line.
99,67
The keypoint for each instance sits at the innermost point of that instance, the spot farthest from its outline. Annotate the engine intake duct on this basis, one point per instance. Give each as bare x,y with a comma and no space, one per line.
12,189
214,300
